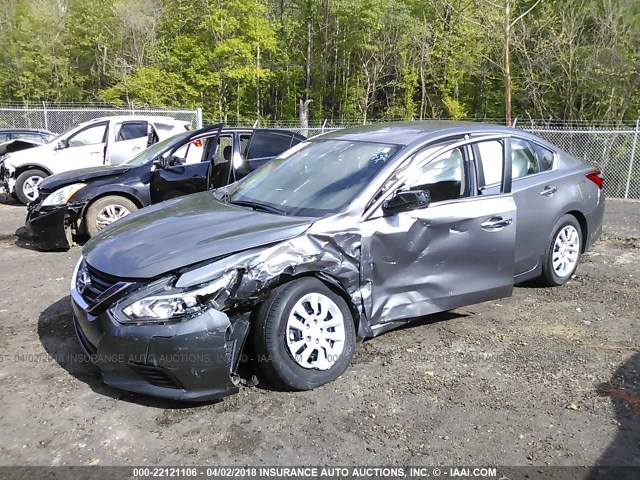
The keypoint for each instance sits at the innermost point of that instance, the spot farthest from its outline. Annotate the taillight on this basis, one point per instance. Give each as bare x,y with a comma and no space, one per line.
197,143
597,178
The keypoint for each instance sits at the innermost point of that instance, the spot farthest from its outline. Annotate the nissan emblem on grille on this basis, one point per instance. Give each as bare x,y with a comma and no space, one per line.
83,281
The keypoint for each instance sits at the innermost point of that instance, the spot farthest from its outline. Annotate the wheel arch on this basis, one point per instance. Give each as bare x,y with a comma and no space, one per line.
31,166
582,220
330,282
113,193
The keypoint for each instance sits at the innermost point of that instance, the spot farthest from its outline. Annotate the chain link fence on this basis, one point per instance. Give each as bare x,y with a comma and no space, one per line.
612,148
60,118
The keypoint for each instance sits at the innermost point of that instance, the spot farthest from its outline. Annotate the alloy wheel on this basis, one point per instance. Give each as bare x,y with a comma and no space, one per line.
30,187
566,250
110,214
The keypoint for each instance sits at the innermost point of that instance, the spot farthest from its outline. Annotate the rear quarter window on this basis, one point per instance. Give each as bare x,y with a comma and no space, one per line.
545,157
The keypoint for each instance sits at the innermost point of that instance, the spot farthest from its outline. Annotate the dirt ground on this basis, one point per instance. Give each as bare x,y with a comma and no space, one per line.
511,382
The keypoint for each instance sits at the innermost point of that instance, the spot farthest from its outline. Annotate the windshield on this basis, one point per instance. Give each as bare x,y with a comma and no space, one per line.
147,155
315,178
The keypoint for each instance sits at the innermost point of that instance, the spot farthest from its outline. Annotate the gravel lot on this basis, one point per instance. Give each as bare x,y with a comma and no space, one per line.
512,382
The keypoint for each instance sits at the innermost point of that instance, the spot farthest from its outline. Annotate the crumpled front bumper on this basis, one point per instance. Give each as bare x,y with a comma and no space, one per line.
48,226
192,361
51,227
7,183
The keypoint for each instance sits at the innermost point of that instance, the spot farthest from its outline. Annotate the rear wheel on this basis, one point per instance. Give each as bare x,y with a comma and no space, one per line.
26,189
105,211
563,252
304,335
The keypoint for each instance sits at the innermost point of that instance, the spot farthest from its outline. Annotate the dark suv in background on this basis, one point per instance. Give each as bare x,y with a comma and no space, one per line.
87,200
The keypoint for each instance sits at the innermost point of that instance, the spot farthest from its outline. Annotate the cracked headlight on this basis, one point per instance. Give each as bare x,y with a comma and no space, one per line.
62,195
162,303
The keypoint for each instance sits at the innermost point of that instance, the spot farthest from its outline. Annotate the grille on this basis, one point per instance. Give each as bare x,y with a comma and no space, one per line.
156,376
99,284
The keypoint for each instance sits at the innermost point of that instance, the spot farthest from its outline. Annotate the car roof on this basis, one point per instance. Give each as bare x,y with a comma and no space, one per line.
134,117
251,129
404,133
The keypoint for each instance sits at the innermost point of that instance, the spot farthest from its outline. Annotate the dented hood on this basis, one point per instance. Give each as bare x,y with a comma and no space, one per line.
182,232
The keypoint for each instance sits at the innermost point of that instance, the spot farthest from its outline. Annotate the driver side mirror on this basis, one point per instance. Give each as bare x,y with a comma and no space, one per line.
61,145
160,162
406,200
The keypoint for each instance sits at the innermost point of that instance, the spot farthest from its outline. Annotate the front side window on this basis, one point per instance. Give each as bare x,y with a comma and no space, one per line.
316,178
89,136
443,177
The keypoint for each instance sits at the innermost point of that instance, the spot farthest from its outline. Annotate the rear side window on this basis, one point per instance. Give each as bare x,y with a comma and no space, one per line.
244,143
266,144
523,159
491,163
131,130
545,157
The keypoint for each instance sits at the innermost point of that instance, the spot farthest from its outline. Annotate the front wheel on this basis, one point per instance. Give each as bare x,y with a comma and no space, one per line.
304,335
27,185
563,252
105,211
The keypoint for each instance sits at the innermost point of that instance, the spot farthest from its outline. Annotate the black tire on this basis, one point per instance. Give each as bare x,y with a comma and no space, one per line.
20,181
91,217
269,337
549,276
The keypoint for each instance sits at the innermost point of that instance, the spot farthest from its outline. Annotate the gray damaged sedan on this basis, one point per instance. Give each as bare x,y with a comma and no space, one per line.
340,238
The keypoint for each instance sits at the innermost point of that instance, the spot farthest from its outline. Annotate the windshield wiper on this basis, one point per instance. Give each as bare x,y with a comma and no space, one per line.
258,206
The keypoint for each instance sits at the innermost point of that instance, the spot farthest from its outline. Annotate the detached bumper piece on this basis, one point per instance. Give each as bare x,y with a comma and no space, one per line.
194,360
50,227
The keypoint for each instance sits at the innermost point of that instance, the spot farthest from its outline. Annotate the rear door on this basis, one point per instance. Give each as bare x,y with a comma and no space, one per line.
129,138
457,251
535,191
265,145
178,177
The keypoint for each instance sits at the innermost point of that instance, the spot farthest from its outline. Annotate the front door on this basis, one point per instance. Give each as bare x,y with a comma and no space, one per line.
178,177
457,251
85,148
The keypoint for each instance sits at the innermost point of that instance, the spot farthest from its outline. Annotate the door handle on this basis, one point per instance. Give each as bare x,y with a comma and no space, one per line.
496,223
134,149
548,191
